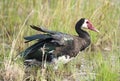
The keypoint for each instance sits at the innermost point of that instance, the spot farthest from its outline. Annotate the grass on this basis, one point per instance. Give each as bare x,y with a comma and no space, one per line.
100,62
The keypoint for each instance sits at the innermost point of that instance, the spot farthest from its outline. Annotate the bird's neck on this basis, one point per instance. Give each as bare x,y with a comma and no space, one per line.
85,36
82,34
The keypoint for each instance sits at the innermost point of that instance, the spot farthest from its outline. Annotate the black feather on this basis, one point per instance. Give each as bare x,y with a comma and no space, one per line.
35,47
37,37
43,29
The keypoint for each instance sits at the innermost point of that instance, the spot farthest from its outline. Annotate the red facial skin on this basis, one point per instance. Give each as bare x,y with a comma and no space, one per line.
91,27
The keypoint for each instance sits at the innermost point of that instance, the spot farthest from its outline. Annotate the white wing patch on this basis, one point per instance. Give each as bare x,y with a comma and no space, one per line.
51,51
62,59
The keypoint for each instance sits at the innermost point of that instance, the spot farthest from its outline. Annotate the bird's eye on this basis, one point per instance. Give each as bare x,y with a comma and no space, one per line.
87,22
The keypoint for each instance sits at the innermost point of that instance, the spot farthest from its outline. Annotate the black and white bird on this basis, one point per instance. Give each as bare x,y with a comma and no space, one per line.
55,46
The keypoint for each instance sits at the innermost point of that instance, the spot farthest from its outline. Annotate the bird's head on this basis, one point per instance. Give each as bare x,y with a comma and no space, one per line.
85,23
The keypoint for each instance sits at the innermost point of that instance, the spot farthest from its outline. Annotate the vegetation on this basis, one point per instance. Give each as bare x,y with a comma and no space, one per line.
100,62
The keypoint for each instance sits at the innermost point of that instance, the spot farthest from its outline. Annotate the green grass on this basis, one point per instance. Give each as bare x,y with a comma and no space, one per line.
100,62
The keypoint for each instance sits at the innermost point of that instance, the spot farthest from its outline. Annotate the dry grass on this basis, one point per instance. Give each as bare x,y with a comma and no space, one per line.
100,62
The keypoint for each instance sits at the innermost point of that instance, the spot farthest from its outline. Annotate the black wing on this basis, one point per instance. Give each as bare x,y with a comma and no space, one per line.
35,47
51,37
58,37
43,29
37,37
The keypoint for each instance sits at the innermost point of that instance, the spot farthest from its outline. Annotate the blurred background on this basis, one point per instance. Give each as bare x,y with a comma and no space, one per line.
101,61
